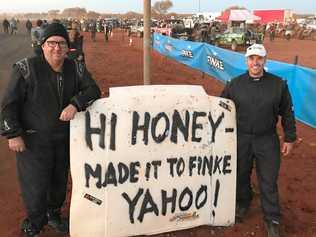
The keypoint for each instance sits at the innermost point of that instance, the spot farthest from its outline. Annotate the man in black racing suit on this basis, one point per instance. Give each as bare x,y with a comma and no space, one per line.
260,98
44,94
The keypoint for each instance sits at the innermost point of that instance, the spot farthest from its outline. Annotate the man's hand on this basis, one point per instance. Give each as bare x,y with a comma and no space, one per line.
16,144
287,148
68,113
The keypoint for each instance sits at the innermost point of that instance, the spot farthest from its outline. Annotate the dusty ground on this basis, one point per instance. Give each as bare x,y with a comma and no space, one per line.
117,64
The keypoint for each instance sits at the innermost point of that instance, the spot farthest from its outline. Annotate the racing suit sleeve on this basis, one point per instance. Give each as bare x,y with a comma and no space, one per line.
287,115
12,102
88,90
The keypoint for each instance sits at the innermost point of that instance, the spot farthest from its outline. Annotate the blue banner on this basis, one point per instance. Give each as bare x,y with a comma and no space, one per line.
224,65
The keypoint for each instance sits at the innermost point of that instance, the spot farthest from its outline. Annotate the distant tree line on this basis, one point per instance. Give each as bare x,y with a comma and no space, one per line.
159,9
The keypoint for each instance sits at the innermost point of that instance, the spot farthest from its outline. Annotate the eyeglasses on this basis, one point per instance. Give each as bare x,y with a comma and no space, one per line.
53,44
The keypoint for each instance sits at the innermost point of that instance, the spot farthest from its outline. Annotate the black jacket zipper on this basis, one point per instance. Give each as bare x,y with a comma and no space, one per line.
60,89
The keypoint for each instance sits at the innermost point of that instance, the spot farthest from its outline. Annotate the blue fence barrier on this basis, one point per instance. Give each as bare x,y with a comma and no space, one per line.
224,65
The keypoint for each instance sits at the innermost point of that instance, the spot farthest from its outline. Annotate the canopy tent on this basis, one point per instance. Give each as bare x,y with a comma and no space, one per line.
238,15
268,16
224,17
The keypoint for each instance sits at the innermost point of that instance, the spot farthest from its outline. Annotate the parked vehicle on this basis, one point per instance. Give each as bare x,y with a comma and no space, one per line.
200,32
236,36
311,24
308,31
180,31
288,34
136,29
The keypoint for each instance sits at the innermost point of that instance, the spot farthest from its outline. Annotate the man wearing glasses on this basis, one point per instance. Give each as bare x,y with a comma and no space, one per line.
43,95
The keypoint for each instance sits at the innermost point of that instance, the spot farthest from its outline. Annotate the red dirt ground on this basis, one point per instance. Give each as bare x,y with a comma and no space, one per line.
117,64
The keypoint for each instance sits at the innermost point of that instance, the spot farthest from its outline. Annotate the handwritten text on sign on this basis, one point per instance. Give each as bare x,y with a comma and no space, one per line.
153,159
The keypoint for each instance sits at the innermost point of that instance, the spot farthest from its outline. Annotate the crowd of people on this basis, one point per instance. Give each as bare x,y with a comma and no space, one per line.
74,27
10,26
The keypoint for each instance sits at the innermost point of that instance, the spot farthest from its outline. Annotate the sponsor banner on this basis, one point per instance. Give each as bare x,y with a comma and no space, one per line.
224,65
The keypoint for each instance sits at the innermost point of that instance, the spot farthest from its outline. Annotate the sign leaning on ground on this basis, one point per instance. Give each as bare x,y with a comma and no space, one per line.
152,159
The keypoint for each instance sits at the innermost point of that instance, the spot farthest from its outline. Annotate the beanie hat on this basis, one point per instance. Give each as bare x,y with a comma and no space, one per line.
54,29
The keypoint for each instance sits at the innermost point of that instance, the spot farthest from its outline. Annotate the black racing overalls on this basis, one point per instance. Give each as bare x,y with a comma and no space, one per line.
31,107
259,103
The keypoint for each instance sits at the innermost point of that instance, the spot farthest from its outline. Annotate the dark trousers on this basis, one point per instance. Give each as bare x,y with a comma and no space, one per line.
43,173
265,151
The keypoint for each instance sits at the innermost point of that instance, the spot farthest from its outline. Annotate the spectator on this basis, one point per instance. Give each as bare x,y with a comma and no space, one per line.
44,94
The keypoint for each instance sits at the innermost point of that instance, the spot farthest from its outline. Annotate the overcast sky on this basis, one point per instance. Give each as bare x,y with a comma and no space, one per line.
179,6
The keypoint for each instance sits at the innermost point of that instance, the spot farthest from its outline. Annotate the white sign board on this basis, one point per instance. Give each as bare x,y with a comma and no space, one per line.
153,159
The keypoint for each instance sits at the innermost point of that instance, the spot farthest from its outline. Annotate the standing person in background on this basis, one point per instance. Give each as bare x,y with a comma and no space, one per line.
272,30
260,98
6,26
75,45
75,25
93,30
28,26
36,33
45,23
13,26
110,29
43,95
106,31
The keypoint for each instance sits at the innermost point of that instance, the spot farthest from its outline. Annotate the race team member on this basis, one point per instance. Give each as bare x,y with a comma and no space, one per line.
75,45
260,97
43,95
36,33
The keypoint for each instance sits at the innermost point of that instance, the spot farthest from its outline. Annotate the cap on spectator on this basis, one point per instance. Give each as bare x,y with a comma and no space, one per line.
256,49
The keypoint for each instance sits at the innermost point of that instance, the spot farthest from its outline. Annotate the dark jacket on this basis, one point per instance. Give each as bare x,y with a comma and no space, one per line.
75,48
259,103
36,96
5,23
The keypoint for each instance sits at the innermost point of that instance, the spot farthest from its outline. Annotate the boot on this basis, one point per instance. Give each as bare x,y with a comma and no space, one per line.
29,229
59,224
240,213
273,228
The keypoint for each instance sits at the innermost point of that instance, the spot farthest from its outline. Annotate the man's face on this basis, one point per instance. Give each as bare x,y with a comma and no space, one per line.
55,48
72,35
255,65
